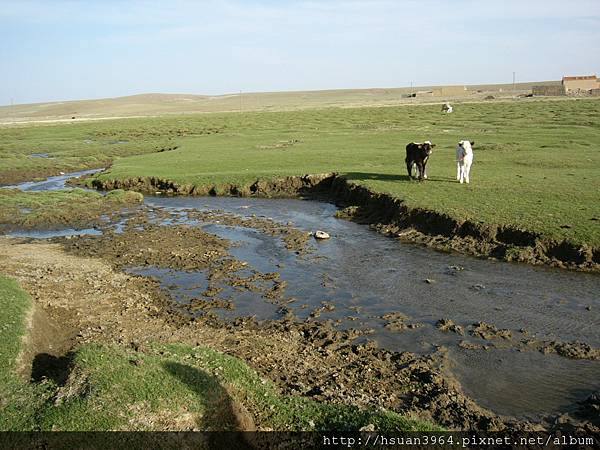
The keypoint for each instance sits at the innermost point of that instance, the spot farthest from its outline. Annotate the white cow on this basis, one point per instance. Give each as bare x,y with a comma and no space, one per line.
464,159
447,108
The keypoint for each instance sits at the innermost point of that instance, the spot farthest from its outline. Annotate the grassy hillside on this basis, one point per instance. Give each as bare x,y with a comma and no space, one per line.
536,162
160,104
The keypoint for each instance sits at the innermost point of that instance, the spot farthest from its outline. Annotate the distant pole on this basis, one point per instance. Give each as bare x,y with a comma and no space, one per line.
514,74
240,101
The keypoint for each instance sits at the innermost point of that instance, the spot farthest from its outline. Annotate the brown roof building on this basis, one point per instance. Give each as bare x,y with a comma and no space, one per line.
580,83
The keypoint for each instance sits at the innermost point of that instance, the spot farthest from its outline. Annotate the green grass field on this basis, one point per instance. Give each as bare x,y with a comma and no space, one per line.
536,162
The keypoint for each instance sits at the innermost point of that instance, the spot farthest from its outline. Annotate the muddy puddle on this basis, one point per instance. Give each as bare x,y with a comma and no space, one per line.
499,322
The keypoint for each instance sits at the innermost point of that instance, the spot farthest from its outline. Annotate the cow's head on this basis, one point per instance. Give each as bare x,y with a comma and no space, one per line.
465,147
428,147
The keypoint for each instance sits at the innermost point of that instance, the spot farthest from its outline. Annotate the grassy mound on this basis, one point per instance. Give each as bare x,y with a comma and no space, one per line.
49,209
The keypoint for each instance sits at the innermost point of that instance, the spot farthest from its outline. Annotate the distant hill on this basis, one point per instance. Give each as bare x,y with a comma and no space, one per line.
161,104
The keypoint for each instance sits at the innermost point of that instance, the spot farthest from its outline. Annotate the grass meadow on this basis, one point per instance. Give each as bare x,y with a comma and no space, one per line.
537,163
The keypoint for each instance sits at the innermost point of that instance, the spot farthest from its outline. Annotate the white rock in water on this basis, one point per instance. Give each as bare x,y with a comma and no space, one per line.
321,235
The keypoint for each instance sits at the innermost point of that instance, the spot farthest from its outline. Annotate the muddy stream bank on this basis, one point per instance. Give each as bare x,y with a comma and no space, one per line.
522,341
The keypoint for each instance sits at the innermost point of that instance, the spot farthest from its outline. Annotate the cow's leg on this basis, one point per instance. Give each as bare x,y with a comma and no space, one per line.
409,168
457,171
421,168
425,171
462,173
467,170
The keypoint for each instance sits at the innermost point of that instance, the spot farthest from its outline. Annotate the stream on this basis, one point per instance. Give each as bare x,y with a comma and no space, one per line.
365,275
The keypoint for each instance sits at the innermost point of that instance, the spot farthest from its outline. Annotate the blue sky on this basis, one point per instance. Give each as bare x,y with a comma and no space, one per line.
64,50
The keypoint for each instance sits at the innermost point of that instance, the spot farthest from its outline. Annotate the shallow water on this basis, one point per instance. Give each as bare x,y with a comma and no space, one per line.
359,268
51,183
46,234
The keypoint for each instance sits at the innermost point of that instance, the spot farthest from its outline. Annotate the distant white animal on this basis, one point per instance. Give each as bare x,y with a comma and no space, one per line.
447,108
464,159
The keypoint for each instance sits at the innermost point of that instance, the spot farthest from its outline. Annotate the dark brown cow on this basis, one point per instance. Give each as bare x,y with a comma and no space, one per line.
418,155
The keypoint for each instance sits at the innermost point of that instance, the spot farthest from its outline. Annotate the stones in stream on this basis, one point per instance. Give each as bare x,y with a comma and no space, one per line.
397,322
449,325
320,235
488,331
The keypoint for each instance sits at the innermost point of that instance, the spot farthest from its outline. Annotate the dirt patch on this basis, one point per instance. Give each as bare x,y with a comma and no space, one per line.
45,339
590,409
293,238
177,247
185,248
390,216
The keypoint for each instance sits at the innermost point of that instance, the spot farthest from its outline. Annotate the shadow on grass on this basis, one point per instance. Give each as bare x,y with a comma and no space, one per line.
55,368
355,176
220,411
